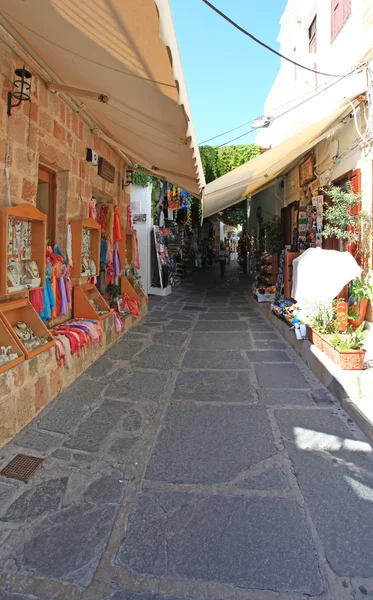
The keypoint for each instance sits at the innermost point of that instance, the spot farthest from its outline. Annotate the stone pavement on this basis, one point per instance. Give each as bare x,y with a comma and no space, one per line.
197,459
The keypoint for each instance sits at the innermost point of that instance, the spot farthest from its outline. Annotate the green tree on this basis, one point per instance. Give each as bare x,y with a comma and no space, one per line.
218,161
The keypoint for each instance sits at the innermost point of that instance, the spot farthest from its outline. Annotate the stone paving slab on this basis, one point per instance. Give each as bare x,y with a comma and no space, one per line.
226,539
157,356
267,356
212,386
216,316
220,341
210,444
278,397
227,326
280,376
214,359
270,345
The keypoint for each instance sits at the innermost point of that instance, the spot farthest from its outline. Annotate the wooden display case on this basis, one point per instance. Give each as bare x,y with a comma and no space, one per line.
288,272
7,339
126,287
83,309
77,227
22,310
23,213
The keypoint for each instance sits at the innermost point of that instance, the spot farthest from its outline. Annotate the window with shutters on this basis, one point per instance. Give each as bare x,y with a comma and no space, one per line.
341,11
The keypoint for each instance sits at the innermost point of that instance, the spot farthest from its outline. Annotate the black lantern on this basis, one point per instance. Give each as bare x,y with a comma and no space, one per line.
21,93
128,181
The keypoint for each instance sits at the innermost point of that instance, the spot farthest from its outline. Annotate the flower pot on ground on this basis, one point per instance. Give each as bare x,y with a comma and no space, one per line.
360,293
347,350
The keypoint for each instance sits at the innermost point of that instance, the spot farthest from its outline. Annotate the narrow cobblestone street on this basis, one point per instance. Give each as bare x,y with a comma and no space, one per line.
198,458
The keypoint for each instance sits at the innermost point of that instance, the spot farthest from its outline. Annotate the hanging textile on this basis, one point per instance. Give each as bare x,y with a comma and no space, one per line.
116,262
129,217
109,250
69,245
131,305
92,209
103,217
117,232
103,252
37,300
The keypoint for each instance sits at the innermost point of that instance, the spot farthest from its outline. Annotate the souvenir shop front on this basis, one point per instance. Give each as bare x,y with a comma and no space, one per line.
60,311
175,238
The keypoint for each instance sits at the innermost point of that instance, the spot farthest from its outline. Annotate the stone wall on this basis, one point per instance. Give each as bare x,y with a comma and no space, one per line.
48,131
28,387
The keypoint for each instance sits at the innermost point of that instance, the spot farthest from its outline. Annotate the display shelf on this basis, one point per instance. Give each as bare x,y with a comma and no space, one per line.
22,310
127,287
83,307
130,249
22,246
85,232
7,339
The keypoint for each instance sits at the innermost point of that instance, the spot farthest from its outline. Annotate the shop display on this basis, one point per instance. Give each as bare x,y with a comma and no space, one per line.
26,327
22,243
85,248
89,303
265,280
73,336
26,335
10,351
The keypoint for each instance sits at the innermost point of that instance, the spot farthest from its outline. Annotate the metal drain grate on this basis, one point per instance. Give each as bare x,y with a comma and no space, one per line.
22,467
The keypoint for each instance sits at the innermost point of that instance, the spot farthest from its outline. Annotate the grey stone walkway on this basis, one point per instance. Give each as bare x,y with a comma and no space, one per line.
198,459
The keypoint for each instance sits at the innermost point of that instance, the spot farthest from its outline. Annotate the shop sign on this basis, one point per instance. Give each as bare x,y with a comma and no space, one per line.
306,171
106,170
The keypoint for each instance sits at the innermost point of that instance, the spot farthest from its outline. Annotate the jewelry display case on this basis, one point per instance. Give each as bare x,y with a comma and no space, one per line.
11,353
22,248
86,235
89,304
134,291
26,327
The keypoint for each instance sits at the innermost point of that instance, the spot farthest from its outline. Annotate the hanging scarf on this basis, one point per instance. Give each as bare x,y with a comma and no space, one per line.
110,220
129,217
131,305
103,252
117,232
103,216
92,209
37,300
110,274
109,250
116,262
64,307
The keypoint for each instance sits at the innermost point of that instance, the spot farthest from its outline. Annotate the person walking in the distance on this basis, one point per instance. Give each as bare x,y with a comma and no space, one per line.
222,258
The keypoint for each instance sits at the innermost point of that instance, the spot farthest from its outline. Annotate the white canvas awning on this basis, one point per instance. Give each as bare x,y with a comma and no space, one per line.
257,173
121,60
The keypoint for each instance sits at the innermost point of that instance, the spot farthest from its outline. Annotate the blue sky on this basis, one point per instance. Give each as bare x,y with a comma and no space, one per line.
228,76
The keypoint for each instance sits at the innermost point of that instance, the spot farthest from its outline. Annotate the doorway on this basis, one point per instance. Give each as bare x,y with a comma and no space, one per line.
46,200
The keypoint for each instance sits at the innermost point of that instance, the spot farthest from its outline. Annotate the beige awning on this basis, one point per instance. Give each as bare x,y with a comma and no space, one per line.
257,173
121,60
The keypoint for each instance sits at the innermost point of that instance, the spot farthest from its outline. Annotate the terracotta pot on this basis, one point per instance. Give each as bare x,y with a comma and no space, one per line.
362,310
314,337
348,360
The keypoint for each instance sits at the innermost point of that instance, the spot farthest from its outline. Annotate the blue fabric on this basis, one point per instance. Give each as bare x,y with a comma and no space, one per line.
103,252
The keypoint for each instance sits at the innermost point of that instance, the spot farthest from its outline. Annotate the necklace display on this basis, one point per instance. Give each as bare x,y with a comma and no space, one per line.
88,267
26,335
6,355
22,272
99,311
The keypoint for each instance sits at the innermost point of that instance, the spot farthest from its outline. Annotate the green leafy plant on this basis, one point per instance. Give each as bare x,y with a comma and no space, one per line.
353,341
361,289
341,220
273,232
325,321
217,161
114,293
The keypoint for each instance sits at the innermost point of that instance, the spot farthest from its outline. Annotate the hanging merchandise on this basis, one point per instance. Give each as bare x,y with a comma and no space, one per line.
117,232
92,209
110,220
117,267
131,305
137,257
69,245
129,217
102,216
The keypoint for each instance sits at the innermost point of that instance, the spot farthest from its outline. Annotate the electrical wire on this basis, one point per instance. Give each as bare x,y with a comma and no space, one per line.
274,110
255,39
289,110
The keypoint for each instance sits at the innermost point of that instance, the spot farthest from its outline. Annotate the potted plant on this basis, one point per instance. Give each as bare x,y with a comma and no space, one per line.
347,350
114,294
360,293
324,323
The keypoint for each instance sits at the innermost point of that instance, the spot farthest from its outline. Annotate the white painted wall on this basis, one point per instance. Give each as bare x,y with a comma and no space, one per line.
141,203
349,48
